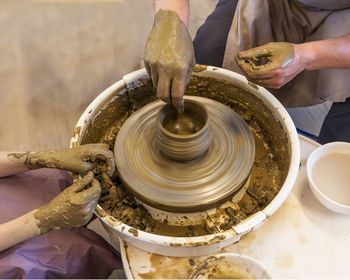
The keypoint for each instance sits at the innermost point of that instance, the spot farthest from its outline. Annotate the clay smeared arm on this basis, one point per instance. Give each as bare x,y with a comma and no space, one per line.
73,207
80,159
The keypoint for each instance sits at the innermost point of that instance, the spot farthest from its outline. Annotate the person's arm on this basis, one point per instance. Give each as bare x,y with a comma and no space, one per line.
9,167
274,64
80,159
18,230
169,54
181,7
71,208
326,54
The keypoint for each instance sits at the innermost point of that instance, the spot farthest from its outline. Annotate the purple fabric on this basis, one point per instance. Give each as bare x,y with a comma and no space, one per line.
66,253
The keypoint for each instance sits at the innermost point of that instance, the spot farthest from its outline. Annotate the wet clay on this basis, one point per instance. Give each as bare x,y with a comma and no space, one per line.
134,232
199,68
151,169
182,136
183,123
266,58
267,175
80,159
73,207
169,56
188,122
117,201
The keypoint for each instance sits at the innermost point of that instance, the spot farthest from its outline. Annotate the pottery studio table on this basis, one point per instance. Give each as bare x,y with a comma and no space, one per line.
303,239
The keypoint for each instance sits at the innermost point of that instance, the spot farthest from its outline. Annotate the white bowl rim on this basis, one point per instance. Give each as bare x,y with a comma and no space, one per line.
317,154
246,258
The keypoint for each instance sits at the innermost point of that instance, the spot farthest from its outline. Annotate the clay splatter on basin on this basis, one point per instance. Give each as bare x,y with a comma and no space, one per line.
270,167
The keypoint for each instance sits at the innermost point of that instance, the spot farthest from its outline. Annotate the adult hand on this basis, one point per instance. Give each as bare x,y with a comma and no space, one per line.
71,208
80,159
169,57
271,65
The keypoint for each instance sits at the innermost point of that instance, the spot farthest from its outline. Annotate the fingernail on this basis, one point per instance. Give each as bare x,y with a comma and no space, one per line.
181,108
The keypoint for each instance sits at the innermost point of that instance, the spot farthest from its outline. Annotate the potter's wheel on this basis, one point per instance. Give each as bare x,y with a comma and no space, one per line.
185,186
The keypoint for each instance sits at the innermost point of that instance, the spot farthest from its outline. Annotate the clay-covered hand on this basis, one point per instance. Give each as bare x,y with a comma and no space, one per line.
80,159
71,208
169,57
271,65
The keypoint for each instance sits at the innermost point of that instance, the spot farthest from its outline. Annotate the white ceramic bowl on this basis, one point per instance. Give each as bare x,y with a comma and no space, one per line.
230,266
328,173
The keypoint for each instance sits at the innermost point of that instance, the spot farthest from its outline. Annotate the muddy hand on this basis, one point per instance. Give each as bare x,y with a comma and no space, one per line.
80,159
169,57
271,65
71,208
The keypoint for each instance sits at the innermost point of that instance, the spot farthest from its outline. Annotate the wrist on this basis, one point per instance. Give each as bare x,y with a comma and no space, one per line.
11,163
18,230
305,54
308,53
43,218
180,7
32,223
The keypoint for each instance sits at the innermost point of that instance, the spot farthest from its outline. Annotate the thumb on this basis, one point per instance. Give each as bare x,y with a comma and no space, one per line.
80,184
92,193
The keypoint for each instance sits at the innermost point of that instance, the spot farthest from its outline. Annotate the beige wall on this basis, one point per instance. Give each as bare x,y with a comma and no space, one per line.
57,56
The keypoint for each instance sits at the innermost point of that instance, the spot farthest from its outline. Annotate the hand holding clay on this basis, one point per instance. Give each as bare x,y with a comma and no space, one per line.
271,65
80,159
169,57
71,208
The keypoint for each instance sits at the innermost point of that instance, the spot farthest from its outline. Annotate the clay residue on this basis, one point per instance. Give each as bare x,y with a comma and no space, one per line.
100,212
267,175
199,68
253,85
160,268
119,203
284,259
224,219
107,123
76,131
134,232
276,55
258,62
71,208
80,159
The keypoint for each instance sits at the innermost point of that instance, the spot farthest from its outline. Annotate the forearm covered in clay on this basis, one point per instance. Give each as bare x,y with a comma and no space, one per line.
34,160
18,230
181,7
80,159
